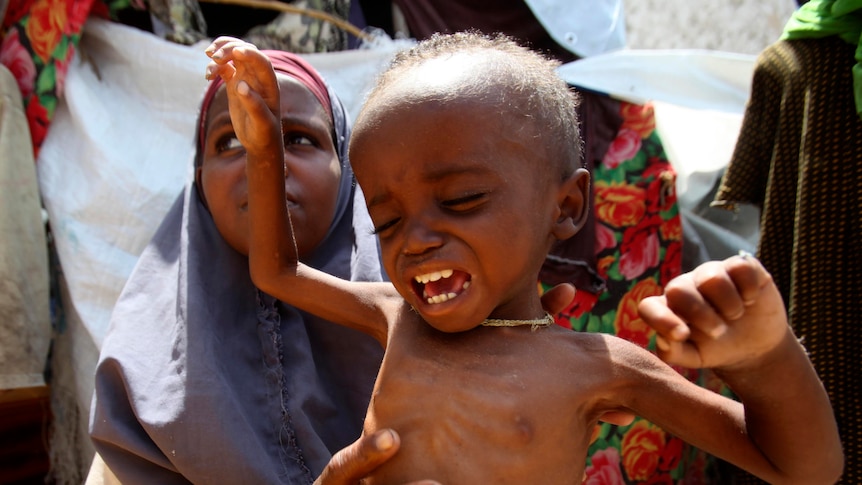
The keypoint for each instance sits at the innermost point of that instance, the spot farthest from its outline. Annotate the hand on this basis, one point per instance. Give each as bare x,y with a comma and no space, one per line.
362,457
252,89
557,298
722,314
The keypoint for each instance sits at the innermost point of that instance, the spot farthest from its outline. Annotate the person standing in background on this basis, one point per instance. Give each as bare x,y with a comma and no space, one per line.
799,159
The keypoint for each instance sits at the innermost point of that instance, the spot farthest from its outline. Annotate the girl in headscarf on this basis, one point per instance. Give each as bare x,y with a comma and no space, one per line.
202,377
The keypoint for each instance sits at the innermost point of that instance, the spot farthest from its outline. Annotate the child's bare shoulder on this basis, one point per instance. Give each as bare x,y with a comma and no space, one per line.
595,340
622,358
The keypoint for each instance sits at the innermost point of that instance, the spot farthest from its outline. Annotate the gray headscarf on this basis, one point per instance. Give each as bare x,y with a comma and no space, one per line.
203,378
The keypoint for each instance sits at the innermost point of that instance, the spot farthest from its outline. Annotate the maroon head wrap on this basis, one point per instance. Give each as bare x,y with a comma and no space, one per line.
283,62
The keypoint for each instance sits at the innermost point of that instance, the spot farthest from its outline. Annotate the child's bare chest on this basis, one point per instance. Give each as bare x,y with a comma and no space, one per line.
480,407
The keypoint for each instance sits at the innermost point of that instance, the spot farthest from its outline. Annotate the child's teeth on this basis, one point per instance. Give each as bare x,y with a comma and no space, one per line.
435,276
441,298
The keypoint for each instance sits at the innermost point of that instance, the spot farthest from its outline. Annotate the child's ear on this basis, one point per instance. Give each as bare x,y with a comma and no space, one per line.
573,204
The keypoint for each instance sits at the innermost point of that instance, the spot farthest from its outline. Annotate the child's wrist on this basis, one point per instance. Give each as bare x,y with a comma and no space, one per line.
774,360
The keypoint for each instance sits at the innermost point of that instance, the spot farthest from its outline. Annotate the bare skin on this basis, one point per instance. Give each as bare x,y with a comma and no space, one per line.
472,213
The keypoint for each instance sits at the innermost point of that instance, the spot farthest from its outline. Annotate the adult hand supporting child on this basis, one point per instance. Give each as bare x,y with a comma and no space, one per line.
353,463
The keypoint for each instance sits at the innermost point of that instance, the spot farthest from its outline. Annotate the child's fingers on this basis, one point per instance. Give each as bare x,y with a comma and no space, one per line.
731,285
253,101
225,71
748,275
726,285
255,108
232,57
250,64
216,44
222,49
686,298
655,312
672,332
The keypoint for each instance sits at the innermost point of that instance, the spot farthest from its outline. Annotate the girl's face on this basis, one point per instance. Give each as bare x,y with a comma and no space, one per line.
313,169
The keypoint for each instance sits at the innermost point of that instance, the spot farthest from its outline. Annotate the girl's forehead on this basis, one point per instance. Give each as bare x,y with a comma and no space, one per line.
217,104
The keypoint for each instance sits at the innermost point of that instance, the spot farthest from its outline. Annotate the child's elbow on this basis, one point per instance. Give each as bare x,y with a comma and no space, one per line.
266,283
835,468
828,471
264,278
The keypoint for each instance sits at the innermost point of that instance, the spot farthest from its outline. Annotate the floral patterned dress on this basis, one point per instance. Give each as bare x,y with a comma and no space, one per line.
638,250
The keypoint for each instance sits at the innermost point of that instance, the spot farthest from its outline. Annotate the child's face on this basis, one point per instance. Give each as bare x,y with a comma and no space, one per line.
458,195
314,169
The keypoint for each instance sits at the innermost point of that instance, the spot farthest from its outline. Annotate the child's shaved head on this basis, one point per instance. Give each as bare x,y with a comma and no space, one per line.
522,84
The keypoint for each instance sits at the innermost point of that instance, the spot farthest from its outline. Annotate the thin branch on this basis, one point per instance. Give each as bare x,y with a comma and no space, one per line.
310,12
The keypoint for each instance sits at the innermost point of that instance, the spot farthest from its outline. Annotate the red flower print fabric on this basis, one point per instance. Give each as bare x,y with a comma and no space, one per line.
638,250
38,39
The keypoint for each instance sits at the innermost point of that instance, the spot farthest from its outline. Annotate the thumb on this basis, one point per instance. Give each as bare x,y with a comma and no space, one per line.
360,458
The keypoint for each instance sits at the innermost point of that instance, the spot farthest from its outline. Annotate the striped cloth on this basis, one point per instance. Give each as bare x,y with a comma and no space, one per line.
799,158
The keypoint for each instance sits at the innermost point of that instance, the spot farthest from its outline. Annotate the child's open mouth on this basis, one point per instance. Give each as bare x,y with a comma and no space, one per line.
441,286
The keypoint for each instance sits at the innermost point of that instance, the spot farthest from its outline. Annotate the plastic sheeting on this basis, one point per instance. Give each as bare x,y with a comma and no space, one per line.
699,98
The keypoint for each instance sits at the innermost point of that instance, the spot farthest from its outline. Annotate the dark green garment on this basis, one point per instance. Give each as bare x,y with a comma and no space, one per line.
799,159
823,18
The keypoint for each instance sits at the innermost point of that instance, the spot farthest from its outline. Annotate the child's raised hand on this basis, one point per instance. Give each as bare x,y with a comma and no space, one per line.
252,90
723,314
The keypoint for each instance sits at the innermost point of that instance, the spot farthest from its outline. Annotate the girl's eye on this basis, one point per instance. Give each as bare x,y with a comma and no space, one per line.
465,203
227,142
297,139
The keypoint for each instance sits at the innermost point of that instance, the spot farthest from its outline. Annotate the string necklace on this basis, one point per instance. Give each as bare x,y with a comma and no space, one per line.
534,324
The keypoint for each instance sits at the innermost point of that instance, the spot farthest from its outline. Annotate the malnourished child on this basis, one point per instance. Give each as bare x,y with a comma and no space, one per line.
468,154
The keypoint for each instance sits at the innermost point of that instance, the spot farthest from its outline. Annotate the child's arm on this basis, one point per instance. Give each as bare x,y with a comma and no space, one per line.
729,316
255,110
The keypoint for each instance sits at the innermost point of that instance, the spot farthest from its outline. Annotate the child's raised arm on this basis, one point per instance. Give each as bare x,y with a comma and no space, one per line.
729,316
255,110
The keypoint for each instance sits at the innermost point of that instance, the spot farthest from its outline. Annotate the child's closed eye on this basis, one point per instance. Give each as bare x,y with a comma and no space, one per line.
465,203
383,227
